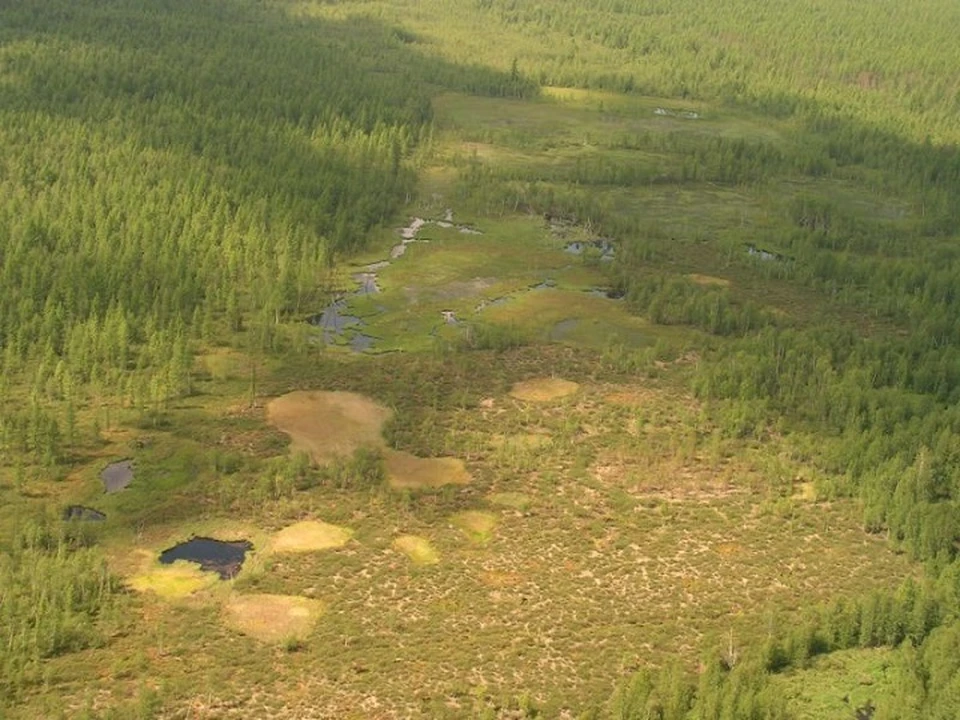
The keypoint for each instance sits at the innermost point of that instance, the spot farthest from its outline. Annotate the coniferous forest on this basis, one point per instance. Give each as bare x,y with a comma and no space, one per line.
301,263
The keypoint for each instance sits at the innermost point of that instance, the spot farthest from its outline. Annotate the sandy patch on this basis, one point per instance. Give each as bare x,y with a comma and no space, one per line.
272,618
708,280
477,526
418,549
309,536
543,389
328,424
409,472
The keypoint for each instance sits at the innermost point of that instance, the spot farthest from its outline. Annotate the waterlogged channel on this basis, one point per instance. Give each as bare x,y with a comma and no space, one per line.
335,321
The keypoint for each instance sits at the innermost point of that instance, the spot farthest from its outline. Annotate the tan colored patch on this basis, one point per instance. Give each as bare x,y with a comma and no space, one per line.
328,424
543,389
709,280
728,549
418,549
477,526
499,579
272,618
309,536
408,472
805,491
515,500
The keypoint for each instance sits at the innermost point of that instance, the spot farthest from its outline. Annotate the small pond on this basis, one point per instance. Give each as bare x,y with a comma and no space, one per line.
219,556
116,476
82,513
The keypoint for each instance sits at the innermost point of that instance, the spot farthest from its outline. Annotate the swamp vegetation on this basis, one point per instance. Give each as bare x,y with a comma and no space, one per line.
540,359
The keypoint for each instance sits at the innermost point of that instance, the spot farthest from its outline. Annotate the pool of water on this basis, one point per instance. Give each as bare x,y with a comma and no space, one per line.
116,476
222,557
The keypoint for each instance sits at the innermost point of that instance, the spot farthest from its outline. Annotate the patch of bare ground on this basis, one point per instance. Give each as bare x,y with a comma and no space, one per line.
331,424
709,280
272,618
409,472
328,424
543,389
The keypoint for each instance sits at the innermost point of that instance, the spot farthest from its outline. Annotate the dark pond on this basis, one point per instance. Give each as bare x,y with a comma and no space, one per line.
116,476
224,558
79,512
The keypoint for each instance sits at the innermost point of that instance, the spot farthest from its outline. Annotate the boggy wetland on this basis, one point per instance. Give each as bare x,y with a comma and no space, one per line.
487,360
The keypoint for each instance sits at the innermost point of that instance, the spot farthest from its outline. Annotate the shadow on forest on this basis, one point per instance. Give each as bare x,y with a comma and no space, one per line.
243,87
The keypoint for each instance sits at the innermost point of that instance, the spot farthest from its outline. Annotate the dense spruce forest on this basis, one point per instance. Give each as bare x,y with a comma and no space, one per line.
766,196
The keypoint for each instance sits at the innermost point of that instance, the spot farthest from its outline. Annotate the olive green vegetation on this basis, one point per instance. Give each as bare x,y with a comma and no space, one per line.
746,509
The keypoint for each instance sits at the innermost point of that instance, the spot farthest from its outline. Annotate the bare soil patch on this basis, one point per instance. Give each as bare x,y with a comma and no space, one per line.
272,618
409,472
328,424
708,280
543,389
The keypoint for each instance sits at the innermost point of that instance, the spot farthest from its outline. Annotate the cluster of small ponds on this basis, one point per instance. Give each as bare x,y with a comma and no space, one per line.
220,556
115,477
335,321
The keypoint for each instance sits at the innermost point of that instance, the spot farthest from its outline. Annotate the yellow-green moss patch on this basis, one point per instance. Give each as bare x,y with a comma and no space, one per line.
418,549
477,526
310,535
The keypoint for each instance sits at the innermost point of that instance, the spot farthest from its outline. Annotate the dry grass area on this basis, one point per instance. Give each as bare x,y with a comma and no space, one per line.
543,389
272,618
310,536
708,280
418,549
409,472
328,424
